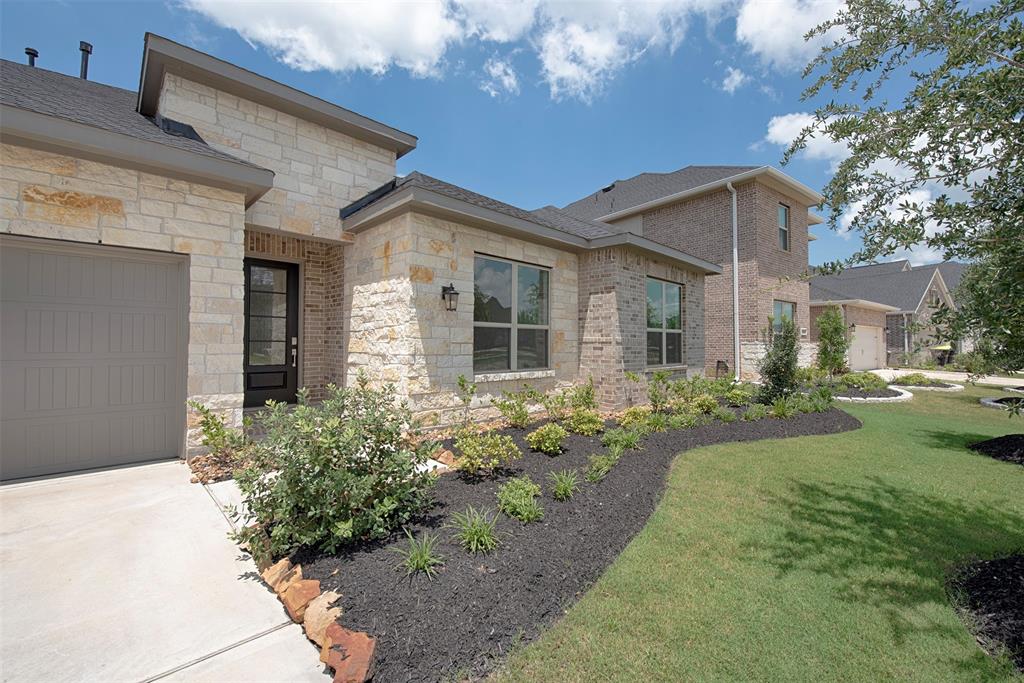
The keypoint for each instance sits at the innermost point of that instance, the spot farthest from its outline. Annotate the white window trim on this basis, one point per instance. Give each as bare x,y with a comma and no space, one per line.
514,325
664,330
784,228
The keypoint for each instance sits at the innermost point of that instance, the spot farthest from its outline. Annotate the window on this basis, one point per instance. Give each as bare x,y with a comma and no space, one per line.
783,309
783,227
510,316
664,323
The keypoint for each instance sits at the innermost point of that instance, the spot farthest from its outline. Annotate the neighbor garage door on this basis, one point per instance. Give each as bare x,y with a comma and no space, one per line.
91,350
866,349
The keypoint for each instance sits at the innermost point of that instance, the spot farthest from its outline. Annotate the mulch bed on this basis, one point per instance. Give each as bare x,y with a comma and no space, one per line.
1009,448
934,385
466,620
991,593
866,393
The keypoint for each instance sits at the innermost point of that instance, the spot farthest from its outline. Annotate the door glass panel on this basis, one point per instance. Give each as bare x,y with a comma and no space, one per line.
264,279
267,329
492,291
266,353
531,349
491,348
267,303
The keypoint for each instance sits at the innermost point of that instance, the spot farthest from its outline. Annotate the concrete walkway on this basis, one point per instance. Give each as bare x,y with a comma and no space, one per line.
128,575
955,377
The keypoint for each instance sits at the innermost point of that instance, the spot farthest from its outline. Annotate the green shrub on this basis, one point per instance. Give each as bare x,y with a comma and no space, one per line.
809,375
600,466
657,422
622,440
581,396
556,403
737,398
821,400
832,341
338,471
420,555
217,436
756,411
683,421
866,381
563,484
778,367
658,390
704,403
512,406
484,451
476,529
915,379
584,421
517,498
783,408
724,414
547,438
800,403
634,416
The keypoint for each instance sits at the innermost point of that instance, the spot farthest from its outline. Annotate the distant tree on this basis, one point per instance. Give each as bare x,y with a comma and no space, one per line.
956,132
832,341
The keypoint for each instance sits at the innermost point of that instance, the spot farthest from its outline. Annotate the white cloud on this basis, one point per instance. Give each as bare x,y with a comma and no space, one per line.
774,31
782,130
502,22
734,80
501,78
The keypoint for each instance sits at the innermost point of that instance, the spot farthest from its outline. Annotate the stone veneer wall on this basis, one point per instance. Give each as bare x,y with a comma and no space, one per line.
317,170
62,197
321,315
399,331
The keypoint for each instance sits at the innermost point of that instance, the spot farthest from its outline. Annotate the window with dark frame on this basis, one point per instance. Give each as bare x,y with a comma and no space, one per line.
511,322
782,309
664,323
783,227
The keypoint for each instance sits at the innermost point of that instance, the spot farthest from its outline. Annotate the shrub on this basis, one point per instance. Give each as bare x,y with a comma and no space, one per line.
658,390
547,438
737,398
600,466
915,379
328,474
832,341
778,367
809,375
486,451
584,421
821,400
555,403
581,397
512,406
756,411
783,408
476,529
634,416
724,414
467,390
217,436
683,421
800,403
704,403
657,422
866,381
563,484
420,555
517,498
621,440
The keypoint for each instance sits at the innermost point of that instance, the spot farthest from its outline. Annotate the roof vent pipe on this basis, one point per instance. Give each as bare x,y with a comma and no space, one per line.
86,49
32,54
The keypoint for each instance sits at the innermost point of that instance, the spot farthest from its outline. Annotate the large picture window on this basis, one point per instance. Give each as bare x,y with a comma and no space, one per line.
510,316
664,323
783,227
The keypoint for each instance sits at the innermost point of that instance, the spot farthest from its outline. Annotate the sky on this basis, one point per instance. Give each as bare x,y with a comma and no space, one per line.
529,101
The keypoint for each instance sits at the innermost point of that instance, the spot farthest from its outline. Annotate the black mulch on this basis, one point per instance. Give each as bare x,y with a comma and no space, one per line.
866,393
933,385
991,592
1009,401
465,621
1009,448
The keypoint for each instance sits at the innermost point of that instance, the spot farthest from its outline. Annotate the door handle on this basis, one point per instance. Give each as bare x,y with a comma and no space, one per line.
295,355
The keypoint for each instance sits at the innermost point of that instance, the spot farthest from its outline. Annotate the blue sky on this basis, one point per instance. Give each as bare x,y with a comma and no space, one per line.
528,101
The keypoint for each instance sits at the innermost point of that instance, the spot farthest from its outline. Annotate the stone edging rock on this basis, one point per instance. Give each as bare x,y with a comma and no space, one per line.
950,389
348,653
1016,390
904,396
992,402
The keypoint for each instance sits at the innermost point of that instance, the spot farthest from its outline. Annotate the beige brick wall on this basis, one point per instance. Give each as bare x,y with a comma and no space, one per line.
317,170
399,331
61,197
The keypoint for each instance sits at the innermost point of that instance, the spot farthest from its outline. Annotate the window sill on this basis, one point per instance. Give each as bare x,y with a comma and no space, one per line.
513,375
671,368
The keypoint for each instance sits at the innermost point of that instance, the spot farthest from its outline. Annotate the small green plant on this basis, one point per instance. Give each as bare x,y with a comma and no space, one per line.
582,397
487,451
420,555
724,414
547,438
658,390
517,498
756,411
563,484
621,440
556,403
783,408
657,422
778,366
866,381
513,407
217,436
801,403
584,421
704,403
821,400
832,341
737,398
476,529
634,416
683,421
600,466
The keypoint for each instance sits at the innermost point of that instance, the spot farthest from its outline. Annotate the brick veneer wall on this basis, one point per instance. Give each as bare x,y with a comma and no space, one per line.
61,197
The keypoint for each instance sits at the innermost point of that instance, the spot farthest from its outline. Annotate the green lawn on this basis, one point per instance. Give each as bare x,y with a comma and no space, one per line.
808,559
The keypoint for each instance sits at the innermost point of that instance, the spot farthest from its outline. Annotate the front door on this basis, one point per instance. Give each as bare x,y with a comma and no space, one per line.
271,331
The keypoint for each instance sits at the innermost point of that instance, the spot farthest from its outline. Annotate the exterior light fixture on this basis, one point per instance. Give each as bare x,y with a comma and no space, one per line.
450,296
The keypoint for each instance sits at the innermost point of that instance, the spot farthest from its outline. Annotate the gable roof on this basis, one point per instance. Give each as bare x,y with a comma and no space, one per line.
903,289
951,271
872,269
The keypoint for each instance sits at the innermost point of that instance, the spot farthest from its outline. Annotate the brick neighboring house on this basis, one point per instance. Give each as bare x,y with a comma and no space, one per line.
691,209
891,305
222,237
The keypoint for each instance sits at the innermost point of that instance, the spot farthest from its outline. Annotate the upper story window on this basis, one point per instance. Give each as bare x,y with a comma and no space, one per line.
664,323
510,315
783,227
783,309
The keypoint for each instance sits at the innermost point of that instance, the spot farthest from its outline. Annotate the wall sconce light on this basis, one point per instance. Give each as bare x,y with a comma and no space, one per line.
450,296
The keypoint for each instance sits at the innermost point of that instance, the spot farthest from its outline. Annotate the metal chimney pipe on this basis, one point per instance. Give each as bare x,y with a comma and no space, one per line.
86,49
32,54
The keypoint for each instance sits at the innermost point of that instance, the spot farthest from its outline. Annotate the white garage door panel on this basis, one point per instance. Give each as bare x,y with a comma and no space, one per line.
866,349
91,356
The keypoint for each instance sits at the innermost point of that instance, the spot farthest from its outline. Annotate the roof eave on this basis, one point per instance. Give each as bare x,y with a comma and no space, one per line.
862,303
650,247
161,55
32,129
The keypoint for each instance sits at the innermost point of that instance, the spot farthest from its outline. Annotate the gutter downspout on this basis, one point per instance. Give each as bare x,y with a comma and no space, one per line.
735,283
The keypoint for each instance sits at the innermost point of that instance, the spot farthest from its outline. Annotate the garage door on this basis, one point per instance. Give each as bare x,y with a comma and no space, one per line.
91,352
866,348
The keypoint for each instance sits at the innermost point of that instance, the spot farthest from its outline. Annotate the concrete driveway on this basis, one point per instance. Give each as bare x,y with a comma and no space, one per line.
128,575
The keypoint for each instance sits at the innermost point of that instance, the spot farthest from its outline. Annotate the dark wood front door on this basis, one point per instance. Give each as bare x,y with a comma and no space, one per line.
271,331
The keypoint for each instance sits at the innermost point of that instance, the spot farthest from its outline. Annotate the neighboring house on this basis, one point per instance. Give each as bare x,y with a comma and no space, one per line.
889,308
221,237
692,209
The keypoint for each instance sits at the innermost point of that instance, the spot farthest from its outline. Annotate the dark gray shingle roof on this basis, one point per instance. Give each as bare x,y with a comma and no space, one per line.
902,288
646,187
951,271
873,269
89,103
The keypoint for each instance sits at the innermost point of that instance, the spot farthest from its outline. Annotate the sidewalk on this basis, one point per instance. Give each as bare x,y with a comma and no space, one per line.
956,377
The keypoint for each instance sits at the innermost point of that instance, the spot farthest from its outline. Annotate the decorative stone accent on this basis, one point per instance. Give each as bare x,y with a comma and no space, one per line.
349,653
952,388
277,573
904,395
289,580
320,614
298,596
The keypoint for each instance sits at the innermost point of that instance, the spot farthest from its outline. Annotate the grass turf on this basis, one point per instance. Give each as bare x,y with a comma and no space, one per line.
815,558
